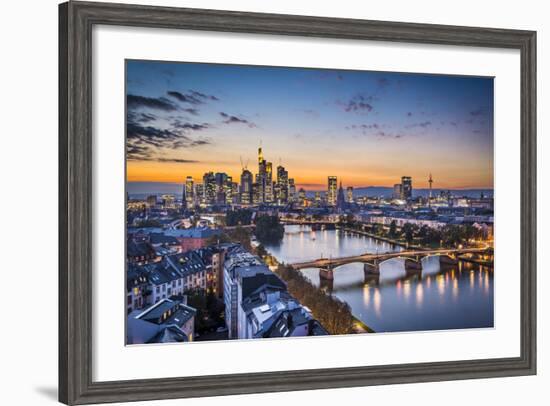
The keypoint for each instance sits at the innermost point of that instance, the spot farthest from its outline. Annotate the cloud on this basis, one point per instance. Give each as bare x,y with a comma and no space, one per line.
181,125
192,97
176,160
163,104
143,118
230,119
359,103
150,134
409,114
192,111
203,96
184,98
143,141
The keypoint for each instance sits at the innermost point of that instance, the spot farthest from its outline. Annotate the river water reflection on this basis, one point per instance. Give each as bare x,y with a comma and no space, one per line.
451,298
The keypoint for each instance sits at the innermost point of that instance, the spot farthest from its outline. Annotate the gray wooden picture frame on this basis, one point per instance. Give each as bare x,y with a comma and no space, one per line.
76,20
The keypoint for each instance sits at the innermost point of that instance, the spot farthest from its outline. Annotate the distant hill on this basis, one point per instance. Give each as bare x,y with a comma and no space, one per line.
386,192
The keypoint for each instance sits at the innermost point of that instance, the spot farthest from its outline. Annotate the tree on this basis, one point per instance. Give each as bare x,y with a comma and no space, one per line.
261,251
333,314
393,229
238,217
269,229
408,231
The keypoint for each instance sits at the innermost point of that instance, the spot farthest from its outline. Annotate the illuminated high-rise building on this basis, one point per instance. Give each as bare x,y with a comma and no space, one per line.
332,190
209,182
246,187
200,199
168,201
282,184
302,197
228,190
261,176
349,194
291,190
256,193
318,197
189,192
406,187
397,191
268,182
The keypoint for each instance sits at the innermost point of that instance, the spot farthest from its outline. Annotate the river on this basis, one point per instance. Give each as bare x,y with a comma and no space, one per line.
451,298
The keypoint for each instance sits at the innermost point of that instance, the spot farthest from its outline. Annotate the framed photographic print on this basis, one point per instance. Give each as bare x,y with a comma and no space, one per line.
256,202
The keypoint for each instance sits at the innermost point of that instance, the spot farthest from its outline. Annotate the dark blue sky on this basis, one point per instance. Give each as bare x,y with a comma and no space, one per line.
367,128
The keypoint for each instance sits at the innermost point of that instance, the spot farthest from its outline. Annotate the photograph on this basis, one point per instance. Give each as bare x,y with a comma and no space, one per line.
278,202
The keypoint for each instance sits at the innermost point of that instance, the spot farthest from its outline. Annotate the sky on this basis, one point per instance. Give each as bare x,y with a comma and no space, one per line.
366,128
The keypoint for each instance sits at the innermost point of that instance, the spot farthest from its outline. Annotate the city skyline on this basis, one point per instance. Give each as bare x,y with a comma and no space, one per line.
366,128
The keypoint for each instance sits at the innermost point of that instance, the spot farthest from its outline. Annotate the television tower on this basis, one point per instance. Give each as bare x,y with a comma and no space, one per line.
430,181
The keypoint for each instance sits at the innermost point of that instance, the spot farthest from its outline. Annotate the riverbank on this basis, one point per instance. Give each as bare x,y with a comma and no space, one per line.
376,237
359,327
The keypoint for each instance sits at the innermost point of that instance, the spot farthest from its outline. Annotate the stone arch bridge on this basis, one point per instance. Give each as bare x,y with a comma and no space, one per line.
412,260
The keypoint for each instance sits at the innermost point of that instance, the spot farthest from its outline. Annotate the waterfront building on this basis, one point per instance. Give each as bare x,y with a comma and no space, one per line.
332,190
406,188
189,192
349,194
257,303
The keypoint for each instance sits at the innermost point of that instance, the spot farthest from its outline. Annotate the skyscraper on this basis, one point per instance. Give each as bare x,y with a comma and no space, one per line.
282,183
261,176
291,190
209,182
406,187
200,199
189,192
397,191
332,190
302,197
349,194
268,182
246,187
340,199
